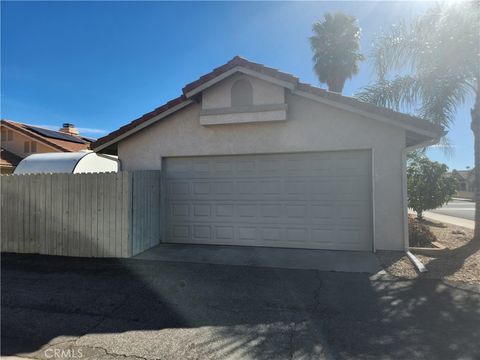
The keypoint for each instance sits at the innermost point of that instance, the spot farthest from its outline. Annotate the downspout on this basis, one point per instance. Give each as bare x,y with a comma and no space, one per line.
412,257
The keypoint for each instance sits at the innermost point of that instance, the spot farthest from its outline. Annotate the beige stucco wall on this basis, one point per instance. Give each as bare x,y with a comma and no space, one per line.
16,145
310,126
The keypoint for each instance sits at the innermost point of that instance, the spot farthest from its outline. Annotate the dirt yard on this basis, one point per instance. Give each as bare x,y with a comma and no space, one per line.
459,261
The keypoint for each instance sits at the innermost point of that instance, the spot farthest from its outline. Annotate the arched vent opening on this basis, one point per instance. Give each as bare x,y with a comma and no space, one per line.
242,93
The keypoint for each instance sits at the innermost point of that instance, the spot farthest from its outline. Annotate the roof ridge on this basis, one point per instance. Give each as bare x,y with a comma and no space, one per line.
240,61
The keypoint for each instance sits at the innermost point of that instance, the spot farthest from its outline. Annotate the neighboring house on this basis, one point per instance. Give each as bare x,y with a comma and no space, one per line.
466,183
8,161
19,140
251,156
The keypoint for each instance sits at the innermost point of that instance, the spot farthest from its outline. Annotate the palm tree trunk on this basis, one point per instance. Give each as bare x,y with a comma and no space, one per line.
475,113
336,85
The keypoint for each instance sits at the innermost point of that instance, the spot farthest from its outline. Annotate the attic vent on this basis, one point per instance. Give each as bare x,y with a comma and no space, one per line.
242,93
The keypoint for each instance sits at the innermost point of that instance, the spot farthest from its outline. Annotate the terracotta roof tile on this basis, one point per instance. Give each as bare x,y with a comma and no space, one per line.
239,61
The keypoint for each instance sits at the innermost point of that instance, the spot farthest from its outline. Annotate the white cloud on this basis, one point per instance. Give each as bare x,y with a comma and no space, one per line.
91,131
82,130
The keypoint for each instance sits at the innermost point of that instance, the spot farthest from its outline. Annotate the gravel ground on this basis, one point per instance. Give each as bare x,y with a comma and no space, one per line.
460,261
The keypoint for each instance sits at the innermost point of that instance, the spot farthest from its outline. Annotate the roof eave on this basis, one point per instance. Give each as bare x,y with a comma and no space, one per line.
108,144
238,69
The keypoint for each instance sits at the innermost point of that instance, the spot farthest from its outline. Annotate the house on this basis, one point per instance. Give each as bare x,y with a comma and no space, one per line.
466,183
19,140
251,156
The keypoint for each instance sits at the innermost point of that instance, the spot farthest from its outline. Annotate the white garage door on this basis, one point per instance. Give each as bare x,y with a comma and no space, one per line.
302,200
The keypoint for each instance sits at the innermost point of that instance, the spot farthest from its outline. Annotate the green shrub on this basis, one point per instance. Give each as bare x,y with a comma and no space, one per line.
429,187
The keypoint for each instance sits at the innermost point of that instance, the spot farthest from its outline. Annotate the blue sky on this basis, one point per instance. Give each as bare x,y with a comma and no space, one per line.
100,65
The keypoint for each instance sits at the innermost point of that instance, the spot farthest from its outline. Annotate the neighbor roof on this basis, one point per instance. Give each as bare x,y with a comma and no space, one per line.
464,174
50,137
240,64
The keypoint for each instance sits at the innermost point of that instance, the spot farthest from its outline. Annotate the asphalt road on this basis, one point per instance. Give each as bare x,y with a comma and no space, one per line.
108,309
458,208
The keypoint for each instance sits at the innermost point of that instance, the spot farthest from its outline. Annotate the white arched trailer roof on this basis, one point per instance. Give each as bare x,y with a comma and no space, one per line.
68,162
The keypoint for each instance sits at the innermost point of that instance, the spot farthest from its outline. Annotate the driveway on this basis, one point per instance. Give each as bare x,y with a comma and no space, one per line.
135,309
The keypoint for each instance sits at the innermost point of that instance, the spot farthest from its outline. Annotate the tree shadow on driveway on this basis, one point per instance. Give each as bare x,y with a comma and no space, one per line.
109,307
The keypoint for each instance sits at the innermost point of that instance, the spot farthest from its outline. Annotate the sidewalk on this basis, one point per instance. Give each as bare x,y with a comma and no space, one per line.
469,224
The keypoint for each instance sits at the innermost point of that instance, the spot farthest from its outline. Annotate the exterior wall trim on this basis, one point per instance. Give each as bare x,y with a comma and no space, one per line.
243,109
242,70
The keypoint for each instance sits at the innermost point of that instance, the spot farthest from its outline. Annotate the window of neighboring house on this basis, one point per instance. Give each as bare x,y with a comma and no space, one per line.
462,186
4,135
26,147
242,93
10,135
33,147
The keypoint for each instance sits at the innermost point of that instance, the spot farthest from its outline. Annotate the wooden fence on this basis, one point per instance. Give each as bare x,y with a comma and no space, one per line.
92,215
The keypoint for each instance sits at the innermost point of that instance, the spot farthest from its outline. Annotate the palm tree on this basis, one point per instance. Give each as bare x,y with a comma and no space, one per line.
436,58
335,44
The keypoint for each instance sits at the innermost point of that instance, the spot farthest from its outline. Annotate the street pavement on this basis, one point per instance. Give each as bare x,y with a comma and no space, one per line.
464,209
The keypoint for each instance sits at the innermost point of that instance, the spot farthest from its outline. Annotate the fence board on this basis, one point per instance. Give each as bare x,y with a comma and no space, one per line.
111,217
42,203
82,238
100,245
87,230
34,238
48,213
4,217
109,214
118,215
28,213
93,212
56,214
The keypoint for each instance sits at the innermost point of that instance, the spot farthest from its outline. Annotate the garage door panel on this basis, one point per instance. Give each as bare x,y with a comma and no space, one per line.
269,235
270,189
202,232
309,200
261,213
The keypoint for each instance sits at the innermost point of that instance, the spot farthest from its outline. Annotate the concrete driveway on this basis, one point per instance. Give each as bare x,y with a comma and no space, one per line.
135,309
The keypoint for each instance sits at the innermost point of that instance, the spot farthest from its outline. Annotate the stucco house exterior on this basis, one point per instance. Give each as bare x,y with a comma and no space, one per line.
466,183
251,156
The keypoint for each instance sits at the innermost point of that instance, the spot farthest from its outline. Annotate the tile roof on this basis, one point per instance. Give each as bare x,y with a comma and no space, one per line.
8,159
238,61
60,145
